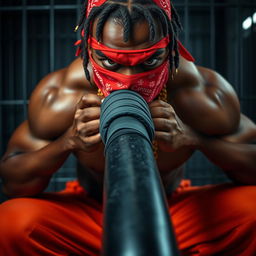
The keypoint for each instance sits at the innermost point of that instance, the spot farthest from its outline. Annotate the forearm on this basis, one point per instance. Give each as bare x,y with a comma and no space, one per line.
238,160
29,173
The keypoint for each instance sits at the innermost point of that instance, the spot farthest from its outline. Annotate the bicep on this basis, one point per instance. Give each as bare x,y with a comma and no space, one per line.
23,141
246,132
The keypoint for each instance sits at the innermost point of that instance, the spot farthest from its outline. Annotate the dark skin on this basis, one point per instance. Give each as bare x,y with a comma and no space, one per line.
202,113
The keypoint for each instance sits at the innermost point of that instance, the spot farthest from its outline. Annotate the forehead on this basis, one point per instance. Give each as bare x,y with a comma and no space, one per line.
112,35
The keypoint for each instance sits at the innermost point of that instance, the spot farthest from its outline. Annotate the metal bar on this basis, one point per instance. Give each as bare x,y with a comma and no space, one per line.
24,58
1,59
186,22
13,102
74,6
240,51
11,118
236,55
52,52
212,29
39,7
248,97
1,93
10,67
52,32
252,37
78,3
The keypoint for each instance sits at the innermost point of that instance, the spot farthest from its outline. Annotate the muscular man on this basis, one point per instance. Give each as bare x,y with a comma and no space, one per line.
197,110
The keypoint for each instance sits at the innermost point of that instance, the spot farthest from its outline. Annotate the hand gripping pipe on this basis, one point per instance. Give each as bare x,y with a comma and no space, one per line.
136,217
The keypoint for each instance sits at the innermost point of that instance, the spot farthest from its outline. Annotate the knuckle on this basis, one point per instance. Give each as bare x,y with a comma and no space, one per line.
167,112
80,130
167,124
172,112
88,142
168,137
81,101
77,114
84,98
162,103
175,125
87,114
172,123
174,133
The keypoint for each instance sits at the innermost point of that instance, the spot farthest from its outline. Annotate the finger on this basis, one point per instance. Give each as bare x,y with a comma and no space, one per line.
162,112
89,100
166,136
165,141
180,124
163,124
158,103
88,128
92,140
87,114
162,136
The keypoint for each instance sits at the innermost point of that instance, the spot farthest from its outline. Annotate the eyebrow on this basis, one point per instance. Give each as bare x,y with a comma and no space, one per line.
101,54
155,54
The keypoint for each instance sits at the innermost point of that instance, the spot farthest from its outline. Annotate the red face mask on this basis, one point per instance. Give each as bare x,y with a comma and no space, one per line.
148,84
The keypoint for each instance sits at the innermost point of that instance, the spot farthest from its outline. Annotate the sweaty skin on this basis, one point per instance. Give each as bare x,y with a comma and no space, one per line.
202,113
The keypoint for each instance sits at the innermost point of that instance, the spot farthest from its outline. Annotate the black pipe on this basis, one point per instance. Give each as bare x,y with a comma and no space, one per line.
136,217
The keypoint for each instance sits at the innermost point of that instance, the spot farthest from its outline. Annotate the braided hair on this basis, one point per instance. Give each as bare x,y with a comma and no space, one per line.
128,12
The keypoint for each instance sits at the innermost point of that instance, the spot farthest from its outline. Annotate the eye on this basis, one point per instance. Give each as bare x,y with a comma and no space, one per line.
109,63
151,62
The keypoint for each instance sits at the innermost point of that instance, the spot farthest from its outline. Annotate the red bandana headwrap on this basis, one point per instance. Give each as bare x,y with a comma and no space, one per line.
163,4
148,84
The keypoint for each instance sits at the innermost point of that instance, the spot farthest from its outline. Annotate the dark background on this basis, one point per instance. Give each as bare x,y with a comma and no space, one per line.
37,37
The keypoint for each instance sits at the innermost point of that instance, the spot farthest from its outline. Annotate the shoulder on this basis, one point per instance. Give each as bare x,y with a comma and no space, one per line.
52,103
204,99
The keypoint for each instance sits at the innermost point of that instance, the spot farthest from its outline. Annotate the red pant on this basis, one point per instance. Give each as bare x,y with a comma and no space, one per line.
208,220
